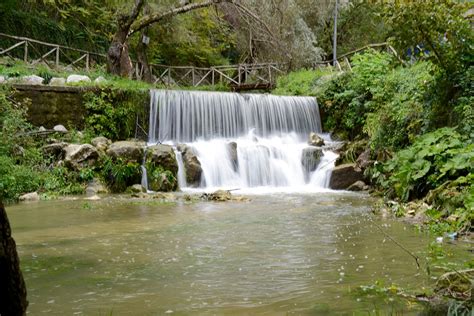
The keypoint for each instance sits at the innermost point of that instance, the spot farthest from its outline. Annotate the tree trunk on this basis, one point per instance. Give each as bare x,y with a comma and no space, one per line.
12,286
143,59
118,57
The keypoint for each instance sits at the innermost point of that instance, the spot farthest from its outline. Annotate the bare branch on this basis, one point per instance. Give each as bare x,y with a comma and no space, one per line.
156,17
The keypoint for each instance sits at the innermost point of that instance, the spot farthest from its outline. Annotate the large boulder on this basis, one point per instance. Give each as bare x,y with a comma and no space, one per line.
95,187
363,161
310,158
80,156
344,175
60,128
162,156
101,143
191,164
315,140
232,149
127,150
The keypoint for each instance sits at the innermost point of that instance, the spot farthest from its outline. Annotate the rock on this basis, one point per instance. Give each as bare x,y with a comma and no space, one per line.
60,128
363,161
162,181
12,285
141,195
77,78
192,165
219,195
57,81
164,196
127,150
80,156
162,156
232,149
358,186
92,198
310,158
33,196
32,80
344,175
95,187
101,143
56,150
41,129
315,140
100,79
136,188
2,79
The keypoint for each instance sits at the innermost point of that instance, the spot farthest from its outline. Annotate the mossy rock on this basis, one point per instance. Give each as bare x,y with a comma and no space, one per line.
162,180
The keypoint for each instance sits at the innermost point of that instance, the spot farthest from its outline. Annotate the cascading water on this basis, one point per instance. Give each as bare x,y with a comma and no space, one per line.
242,140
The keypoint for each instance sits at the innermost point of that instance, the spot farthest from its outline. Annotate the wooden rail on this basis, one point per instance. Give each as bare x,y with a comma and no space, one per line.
238,77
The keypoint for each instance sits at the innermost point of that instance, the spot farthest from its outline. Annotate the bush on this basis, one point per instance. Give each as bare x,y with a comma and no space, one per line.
434,158
119,173
112,113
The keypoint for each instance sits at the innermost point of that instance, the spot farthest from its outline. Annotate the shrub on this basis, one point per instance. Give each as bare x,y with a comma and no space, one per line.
119,173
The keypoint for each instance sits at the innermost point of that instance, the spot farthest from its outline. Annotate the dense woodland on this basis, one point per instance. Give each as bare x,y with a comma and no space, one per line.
413,110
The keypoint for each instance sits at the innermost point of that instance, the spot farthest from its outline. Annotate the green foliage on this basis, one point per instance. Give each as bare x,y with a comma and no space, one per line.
439,28
62,181
112,113
119,173
433,159
302,82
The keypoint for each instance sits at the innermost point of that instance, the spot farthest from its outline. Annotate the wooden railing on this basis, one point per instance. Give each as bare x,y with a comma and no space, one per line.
34,52
238,77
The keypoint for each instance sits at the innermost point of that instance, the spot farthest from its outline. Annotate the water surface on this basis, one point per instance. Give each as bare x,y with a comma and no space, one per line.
277,254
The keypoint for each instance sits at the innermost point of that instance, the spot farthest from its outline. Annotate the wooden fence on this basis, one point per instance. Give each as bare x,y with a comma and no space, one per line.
238,77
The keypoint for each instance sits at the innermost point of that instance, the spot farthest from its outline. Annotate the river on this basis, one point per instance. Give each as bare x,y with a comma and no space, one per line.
277,254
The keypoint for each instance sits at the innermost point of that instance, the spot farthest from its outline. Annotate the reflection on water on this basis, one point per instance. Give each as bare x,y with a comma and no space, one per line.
278,254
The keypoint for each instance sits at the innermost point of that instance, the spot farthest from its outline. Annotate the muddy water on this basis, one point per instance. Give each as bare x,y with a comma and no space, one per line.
278,254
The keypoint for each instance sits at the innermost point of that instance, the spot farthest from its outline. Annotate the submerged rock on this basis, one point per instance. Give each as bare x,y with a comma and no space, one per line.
310,158
232,149
191,164
77,78
344,175
127,150
358,186
96,187
136,188
33,196
219,195
80,156
315,140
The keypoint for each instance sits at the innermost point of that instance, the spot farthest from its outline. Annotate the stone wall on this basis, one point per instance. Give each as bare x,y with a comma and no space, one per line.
53,105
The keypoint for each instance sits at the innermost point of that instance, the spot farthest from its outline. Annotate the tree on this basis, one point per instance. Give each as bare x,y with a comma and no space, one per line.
118,56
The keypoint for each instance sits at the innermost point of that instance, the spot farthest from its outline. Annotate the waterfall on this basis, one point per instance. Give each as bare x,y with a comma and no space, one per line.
242,141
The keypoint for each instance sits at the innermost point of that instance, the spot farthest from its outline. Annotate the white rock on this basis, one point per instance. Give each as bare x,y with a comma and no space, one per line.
33,80
60,128
100,79
77,78
41,129
33,196
2,79
57,81
92,198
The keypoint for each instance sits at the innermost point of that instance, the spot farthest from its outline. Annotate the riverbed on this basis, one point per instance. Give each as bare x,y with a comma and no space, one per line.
282,253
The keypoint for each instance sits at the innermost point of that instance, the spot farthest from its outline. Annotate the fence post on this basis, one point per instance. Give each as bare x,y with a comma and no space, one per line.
269,74
193,74
212,75
238,74
57,56
87,61
25,56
